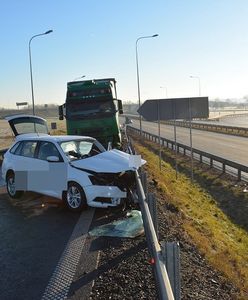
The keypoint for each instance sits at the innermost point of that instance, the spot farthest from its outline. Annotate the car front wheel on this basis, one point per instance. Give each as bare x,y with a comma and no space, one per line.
74,197
11,187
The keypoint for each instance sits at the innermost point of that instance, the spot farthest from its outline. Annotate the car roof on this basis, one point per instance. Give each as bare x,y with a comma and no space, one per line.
54,138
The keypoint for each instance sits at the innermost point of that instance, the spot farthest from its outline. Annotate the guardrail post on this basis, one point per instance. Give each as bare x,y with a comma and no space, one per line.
143,177
171,257
223,168
211,162
239,175
152,204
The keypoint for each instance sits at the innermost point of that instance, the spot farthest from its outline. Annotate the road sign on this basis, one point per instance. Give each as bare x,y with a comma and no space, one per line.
174,109
21,103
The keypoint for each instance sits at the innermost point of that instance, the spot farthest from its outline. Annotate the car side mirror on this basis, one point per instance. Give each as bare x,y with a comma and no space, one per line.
53,158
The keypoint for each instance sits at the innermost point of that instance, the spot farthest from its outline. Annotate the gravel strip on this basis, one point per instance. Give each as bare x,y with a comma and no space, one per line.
129,274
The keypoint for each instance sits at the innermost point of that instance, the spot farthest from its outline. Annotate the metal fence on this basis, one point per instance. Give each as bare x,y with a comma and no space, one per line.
226,166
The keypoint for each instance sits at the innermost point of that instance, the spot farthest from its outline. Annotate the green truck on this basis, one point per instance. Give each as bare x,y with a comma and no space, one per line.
92,109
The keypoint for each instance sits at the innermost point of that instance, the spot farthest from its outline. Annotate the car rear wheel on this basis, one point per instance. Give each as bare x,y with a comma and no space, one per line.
11,187
74,197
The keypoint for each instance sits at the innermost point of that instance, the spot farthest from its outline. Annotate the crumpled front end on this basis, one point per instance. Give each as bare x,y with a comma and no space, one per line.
109,189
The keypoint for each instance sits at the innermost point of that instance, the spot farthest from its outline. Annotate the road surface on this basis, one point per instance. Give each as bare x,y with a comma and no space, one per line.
231,147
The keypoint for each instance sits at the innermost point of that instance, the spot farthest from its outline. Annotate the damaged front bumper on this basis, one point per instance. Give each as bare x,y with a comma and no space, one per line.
104,196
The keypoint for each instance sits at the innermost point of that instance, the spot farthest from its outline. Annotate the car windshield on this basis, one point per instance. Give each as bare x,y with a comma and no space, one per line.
80,149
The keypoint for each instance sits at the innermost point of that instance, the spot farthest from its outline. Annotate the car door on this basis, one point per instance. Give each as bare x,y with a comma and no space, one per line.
24,163
51,176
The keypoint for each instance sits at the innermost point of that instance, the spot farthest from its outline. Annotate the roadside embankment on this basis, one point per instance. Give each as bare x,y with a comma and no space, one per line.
212,216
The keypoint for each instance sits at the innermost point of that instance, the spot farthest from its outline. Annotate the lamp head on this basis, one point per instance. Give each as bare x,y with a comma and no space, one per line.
49,31
155,35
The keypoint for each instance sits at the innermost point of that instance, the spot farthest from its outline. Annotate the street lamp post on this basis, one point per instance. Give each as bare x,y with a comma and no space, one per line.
190,127
137,67
164,87
30,63
199,83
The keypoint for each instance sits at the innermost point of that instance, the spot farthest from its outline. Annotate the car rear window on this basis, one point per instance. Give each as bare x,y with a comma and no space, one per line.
14,149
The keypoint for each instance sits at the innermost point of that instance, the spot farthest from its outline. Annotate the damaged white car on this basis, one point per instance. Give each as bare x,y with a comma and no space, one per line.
75,169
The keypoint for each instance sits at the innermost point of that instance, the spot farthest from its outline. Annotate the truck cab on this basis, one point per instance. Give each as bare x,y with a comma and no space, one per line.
92,109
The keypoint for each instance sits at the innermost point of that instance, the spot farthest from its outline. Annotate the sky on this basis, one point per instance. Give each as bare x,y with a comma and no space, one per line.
206,39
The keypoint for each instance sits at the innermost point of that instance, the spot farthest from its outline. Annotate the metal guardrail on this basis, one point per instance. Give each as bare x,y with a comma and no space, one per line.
163,282
234,130
238,169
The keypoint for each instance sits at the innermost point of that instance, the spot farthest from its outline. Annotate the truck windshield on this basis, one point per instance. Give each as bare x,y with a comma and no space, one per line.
79,108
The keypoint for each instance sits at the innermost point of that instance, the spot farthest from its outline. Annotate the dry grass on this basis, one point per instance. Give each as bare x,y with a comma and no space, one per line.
223,243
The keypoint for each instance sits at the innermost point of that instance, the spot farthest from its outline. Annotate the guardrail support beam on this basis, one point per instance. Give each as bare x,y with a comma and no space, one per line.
152,204
171,256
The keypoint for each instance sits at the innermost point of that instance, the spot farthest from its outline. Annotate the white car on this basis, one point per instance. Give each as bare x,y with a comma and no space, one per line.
75,169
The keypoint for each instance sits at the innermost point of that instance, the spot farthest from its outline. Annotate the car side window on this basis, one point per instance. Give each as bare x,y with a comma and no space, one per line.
47,149
27,149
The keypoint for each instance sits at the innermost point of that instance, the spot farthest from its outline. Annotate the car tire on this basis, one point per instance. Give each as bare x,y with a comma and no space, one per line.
12,192
74,197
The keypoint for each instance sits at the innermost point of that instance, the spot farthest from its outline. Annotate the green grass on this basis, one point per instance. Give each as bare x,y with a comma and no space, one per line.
223,243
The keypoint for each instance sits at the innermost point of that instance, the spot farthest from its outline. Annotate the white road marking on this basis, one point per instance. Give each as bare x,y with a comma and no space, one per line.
60,282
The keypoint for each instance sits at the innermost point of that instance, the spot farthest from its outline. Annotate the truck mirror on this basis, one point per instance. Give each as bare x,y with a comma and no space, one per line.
61,113
120,108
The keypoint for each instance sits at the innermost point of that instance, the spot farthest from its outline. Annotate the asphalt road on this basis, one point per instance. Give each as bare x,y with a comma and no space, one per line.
33,233
233,148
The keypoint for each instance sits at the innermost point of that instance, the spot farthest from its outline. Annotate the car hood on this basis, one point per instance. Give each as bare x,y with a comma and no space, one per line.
113,161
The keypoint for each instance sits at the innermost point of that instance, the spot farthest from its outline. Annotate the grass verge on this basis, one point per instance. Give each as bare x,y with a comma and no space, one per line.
219,239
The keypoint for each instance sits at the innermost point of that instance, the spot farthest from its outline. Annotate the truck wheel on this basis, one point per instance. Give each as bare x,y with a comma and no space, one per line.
11,189
74,197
